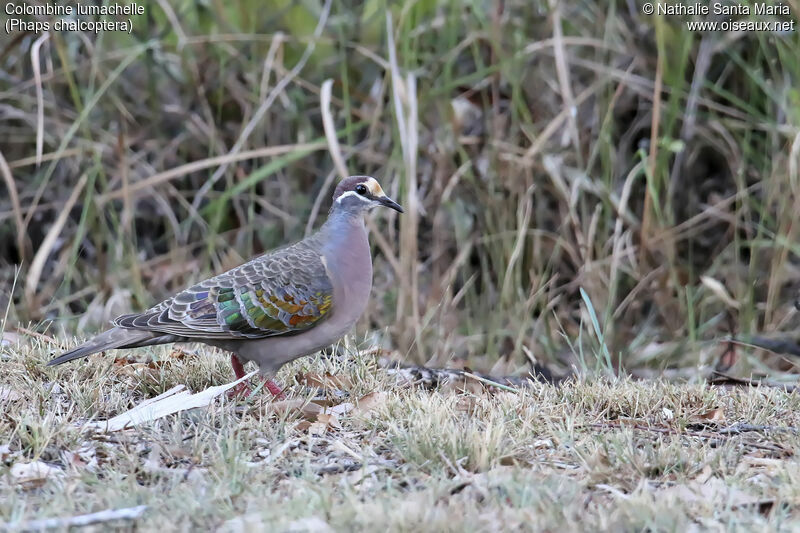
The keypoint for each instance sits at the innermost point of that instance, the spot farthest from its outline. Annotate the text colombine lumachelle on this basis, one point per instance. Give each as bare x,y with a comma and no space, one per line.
53,9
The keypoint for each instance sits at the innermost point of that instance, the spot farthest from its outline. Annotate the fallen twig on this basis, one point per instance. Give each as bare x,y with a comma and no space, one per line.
772,447
432,378
42,336
339,468
720,378
127,513
742,428
489,382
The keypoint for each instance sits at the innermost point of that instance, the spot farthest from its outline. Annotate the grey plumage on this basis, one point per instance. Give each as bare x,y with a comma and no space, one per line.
282,305
110,339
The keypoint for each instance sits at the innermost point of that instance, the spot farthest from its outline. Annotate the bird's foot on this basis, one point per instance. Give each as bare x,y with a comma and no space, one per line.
274,389
243,390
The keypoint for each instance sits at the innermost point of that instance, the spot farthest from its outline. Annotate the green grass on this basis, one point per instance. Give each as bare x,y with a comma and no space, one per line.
586,455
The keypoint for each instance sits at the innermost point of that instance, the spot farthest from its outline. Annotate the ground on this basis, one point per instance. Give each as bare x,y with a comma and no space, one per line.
588,454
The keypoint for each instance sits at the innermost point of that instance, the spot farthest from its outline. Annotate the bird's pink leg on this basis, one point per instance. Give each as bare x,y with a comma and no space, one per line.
243,390
274,389
238,367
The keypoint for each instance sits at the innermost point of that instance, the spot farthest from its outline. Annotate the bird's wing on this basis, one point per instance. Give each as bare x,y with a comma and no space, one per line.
283,292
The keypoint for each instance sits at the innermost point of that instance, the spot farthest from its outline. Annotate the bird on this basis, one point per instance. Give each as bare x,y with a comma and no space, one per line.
285,304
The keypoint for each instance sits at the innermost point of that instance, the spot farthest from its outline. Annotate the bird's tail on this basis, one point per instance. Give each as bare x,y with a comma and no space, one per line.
113,338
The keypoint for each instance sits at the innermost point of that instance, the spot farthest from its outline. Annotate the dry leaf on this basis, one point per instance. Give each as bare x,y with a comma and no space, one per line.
324,420
130,365
341,409
370,402
8,338
303,425
85,458
466,115
705,475
326,401
317,429
713,492
5,452
306,409
719,290
466,403
180,352
176,452
463,385
7,394
74,460
715,416
326,381
33,474
329,419
509,460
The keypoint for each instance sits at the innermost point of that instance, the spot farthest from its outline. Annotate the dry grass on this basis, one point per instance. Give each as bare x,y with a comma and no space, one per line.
582,456
540,149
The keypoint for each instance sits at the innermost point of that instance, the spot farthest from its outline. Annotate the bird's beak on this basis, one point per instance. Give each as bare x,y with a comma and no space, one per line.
388,202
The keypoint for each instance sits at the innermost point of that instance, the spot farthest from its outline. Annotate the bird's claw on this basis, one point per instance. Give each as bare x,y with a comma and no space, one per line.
243,390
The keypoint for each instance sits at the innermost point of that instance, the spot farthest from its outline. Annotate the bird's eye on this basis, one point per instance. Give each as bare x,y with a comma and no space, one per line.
361,189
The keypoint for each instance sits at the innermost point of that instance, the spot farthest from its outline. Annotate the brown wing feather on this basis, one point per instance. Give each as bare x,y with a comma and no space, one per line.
283,292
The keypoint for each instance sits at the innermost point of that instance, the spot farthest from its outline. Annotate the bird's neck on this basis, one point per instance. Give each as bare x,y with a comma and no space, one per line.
345,231
345,246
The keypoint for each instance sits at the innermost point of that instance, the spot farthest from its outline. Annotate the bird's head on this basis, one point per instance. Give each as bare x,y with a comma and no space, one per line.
359,194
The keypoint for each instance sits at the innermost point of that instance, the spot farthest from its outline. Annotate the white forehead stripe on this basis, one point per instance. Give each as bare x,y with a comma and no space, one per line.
352,193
